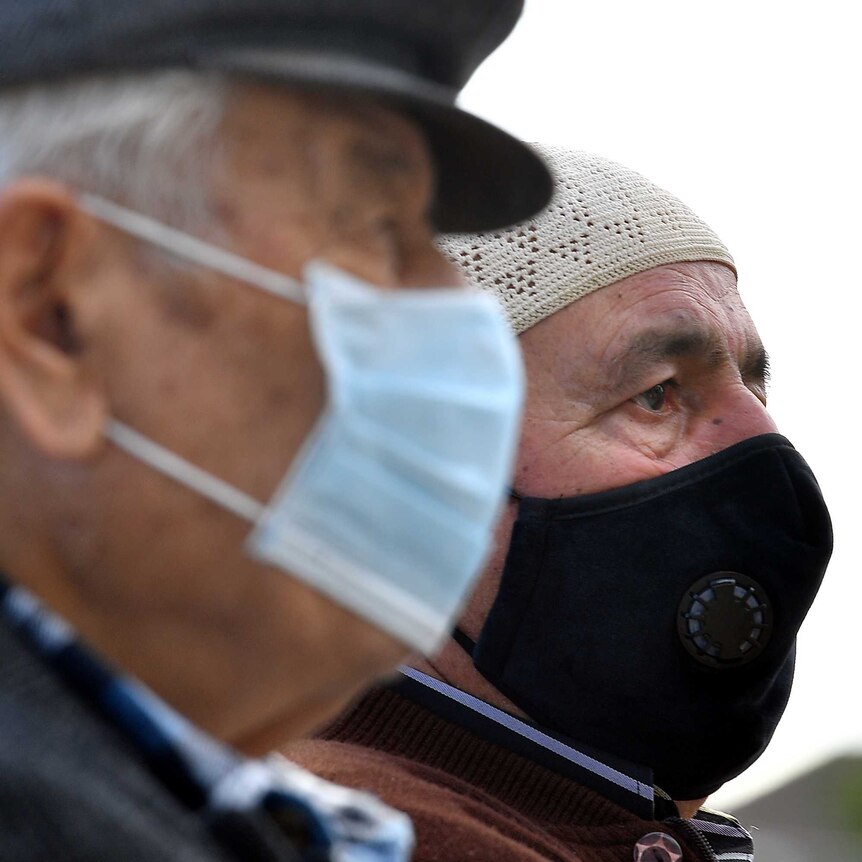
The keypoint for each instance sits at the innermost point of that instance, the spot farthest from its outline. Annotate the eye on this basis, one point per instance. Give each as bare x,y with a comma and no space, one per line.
655,398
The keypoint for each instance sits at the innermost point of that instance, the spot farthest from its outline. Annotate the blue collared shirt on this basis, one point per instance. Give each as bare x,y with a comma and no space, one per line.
202,773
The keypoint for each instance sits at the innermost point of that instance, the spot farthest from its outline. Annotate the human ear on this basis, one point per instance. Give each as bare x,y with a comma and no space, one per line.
46,388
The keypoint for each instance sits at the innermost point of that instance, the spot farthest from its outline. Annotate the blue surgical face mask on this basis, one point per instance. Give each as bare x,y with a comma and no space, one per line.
389,507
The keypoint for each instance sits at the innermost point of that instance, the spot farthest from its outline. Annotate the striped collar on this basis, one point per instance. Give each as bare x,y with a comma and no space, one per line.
719,835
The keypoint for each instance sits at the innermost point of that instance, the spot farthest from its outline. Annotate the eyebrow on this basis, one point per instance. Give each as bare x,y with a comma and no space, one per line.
383,161
756,368
651,347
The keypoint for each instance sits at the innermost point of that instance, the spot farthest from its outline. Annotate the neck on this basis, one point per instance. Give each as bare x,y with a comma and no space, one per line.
454,666
220,684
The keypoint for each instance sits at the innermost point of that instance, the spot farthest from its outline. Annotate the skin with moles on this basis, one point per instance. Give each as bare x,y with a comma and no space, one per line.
637,379
153,576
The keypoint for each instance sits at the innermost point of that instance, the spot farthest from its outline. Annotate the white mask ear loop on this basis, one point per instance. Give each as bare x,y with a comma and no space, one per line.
219,260
180,470
192,249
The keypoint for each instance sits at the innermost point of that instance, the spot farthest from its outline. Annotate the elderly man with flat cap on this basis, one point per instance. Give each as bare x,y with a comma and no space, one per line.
253,441
630,645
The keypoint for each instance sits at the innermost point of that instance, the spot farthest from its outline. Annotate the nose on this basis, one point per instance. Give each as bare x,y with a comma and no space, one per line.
738,415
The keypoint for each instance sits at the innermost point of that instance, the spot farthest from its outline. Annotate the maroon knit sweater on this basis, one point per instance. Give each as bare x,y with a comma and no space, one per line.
472,800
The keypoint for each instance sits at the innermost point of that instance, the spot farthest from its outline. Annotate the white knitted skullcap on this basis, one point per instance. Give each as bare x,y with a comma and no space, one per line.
605,222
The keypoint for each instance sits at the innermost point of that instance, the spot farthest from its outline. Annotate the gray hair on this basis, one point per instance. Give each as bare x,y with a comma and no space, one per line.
150,141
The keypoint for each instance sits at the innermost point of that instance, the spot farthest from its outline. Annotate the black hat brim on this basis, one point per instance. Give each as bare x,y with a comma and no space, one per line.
486,178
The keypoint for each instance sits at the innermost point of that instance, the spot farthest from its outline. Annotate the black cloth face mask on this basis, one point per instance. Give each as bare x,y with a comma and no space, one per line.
658,621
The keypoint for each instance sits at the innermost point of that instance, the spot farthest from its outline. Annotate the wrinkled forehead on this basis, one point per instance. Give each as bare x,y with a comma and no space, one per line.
684,298
688,311
680,297
326,144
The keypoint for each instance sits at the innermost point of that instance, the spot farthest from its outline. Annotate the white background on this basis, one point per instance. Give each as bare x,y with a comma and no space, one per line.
749,112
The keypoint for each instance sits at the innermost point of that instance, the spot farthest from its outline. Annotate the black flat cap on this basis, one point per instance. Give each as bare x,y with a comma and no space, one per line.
414,54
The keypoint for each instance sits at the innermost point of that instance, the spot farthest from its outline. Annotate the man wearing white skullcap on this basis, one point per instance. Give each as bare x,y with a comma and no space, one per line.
630,646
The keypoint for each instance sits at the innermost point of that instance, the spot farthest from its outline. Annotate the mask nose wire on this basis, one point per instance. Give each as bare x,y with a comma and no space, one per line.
191,249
